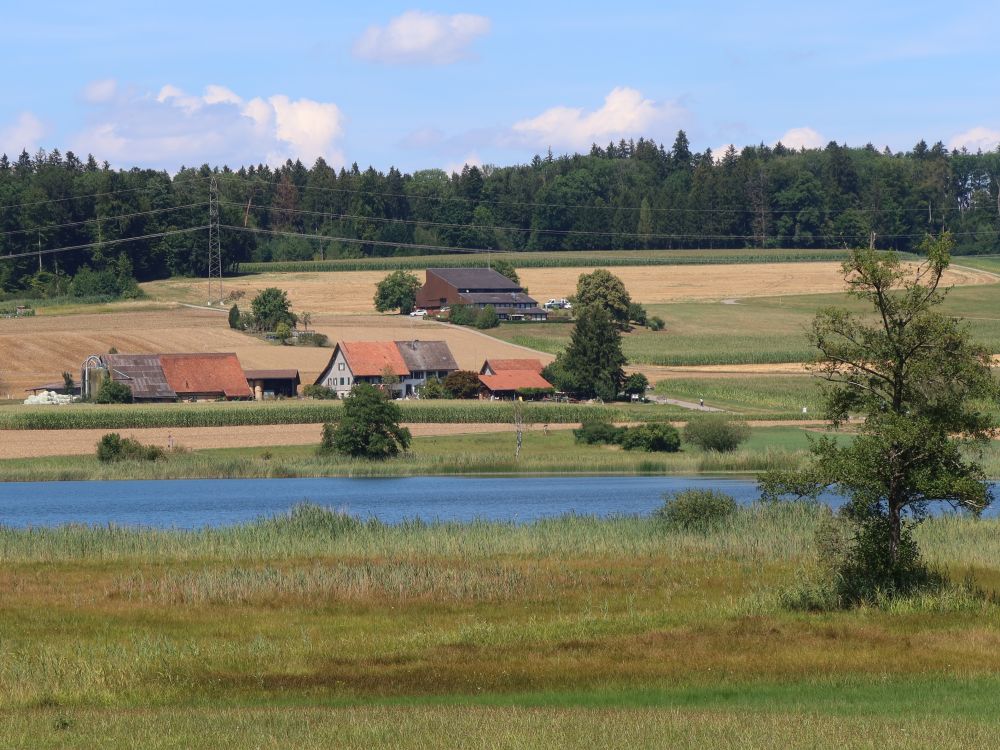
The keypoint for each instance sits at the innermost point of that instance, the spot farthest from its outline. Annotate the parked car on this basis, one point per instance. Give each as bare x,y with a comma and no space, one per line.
418,313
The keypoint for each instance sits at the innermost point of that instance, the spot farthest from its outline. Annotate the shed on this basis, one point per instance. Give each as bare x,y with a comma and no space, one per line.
276,382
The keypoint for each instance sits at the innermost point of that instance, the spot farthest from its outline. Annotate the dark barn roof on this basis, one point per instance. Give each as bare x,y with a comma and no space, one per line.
421,356
502,299
272,375
142,373
485,279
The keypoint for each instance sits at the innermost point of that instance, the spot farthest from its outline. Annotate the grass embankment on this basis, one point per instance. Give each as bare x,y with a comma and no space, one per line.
482,453
314,629
761,330
224,414
560,259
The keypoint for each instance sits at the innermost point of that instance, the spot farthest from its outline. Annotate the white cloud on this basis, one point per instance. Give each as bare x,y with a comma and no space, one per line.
23,134
472,160
975,139
420,37
625,113
218,127
797,138
97,92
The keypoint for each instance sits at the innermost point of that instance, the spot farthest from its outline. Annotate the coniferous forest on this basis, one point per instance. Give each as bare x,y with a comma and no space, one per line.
75,226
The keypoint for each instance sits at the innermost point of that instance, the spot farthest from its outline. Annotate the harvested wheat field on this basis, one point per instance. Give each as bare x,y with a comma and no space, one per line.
352,291
31,443
36,350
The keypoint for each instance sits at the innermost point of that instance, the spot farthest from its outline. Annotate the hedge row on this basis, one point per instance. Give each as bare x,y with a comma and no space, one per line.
86,416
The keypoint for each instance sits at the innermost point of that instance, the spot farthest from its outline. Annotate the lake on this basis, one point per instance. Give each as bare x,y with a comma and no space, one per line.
194,503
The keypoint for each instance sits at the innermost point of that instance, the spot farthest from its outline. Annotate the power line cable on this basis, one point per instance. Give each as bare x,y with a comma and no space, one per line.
103,219
53,250
100,195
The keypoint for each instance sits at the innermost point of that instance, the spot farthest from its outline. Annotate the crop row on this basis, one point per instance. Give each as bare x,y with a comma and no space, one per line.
137,416
554,260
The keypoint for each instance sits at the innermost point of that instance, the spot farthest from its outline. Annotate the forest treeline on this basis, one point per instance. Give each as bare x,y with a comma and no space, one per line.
634,194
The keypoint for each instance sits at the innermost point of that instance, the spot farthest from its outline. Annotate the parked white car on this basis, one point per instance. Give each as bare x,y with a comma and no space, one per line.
418,313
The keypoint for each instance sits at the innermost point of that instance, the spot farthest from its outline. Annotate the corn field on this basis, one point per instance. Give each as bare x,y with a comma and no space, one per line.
134,416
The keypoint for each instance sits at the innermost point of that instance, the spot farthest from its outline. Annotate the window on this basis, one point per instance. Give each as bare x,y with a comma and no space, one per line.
340,366
342,381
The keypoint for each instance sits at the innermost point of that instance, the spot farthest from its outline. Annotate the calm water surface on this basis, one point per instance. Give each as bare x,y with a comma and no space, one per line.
193,503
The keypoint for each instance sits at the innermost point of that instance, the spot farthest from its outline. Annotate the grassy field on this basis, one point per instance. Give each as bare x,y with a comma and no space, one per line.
758,330
485,453
315,630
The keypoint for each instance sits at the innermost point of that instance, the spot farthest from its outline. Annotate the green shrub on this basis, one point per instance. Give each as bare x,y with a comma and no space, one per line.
319,392
113,447
637,384
637,314
716,433
434,389
598,431
235,319
312,339
113,392
656,323
487,318
368,428
463,384
462,315
656,436
696,510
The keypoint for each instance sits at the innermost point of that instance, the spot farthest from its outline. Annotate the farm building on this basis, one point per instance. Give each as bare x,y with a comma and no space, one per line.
413,362
273,382
167,377
477,287
206,376
510,378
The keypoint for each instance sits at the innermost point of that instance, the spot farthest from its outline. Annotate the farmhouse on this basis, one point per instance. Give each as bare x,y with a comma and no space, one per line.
270,383
477,287
510,378
412,362
167,377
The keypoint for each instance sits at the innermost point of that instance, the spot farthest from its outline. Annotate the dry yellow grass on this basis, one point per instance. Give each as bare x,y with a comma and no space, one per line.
36,350
33,443
352,291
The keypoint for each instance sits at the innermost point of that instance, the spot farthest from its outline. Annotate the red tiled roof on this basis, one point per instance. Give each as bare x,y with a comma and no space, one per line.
205,374
370,358
501,365
512,380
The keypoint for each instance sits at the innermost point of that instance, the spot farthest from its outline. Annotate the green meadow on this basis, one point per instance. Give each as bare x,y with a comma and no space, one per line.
316,630
753,330
481,453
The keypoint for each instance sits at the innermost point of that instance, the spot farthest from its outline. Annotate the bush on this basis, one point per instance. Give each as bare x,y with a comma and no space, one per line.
368,428
235,319
113,392
487,318
652,437
434,389
312,339
596,432
656,323
462,315
637,314
113,447
319,392
283,332
637,384
696,510
463,384
716,433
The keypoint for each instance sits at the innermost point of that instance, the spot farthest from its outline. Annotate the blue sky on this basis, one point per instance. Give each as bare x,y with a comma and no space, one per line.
438,84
